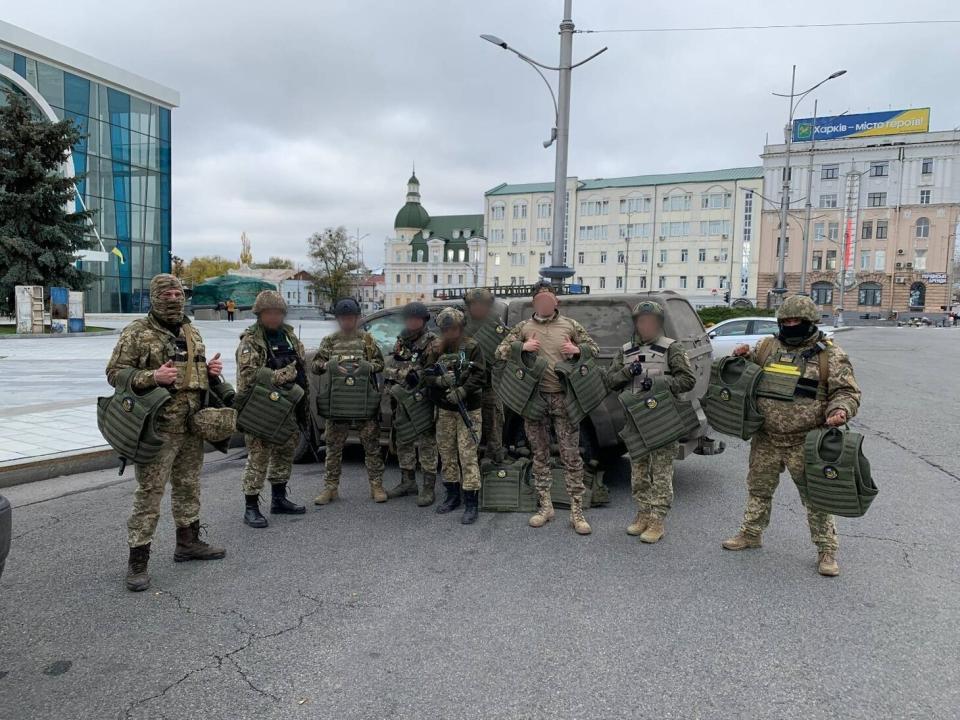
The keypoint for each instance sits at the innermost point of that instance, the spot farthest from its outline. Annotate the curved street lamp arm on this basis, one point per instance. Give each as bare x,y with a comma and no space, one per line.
556,108
586,60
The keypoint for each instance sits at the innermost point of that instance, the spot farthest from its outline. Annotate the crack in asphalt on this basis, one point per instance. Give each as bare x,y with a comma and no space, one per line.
55,519
910,451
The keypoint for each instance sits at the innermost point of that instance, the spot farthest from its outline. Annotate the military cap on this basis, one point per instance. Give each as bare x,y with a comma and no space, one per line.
648,307
449,317
478,295
415,310
346,306
269,300
800,307
214,424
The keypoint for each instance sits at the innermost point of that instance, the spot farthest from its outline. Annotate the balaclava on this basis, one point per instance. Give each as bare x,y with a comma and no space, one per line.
167,311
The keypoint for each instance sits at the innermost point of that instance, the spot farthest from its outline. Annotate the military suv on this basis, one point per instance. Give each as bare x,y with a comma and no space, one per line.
608,319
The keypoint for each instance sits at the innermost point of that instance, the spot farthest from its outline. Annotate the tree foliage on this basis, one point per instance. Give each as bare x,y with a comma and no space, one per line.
204,267
39,236
333,263
275,263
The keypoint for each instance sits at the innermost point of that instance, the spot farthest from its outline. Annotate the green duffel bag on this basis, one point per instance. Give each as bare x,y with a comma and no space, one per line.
507,487
651,419
583,385
348,390
837,476
267,411
518,385
413,415
730,402
127,420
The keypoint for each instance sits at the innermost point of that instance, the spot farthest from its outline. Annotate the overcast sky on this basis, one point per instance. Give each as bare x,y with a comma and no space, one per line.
296,116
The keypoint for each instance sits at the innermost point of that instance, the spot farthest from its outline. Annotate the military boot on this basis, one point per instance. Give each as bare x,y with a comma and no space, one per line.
577,521
827,564
426,496
741,541
377,493
407,486
471,503
639,523
137,578
452,501
327,495
252,515
280,505
191,547
545,512
654,530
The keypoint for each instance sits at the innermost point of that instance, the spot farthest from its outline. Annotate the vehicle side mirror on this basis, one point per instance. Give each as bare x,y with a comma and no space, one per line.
712,335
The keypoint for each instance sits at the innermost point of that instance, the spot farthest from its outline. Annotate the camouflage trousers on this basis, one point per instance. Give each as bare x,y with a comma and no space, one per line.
268,461
767,461
426,447
492,410
458,451
335,437
568,440
178,463
651,481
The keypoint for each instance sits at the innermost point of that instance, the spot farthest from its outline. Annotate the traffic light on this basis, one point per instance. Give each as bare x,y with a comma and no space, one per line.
726,296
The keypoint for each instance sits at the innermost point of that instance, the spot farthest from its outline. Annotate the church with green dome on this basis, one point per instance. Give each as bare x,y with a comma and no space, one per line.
431,252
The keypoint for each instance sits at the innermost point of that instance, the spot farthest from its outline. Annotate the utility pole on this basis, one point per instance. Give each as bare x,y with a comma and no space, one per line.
808,207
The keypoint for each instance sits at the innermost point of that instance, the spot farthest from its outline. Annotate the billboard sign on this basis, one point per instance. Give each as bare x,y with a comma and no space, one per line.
888,122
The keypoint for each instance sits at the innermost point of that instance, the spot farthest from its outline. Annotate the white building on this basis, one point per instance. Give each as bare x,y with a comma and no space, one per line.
689,232
298,290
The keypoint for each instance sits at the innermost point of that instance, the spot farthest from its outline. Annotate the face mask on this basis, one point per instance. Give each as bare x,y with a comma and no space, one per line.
796,334
170,311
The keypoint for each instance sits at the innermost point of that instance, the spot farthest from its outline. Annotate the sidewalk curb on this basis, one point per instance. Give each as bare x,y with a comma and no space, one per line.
45,467
57,336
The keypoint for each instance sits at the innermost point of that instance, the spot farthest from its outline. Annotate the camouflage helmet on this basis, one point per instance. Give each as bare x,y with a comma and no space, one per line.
346,306
798,306
449,317
214,424
481,295
269,300
648,307
415,310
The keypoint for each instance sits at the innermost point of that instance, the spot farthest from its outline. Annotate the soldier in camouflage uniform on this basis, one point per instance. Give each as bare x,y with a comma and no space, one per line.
168,351
796,353
269,343
651,478
556,338
350,340
487,330
455,377
409,354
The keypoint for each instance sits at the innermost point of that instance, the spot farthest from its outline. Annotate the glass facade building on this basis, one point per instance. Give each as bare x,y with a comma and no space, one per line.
124,155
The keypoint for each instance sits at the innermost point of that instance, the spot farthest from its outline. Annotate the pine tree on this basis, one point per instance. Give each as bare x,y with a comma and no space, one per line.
39,235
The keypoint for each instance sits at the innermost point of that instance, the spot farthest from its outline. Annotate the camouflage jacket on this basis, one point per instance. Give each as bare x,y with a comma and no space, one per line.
408,354
681,378
358,344
145,344
252,354
788,422
468,367
551,332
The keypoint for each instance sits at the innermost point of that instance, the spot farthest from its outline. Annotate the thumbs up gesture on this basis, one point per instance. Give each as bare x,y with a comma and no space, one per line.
215,366
166,374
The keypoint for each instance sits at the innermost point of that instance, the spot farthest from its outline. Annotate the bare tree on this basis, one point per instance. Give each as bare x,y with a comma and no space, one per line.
333,263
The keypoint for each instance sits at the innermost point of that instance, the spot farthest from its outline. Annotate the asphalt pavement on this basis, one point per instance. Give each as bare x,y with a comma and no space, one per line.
358,610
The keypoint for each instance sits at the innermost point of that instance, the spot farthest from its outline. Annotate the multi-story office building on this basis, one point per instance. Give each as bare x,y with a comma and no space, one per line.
885,206
431,252
124,153
689,232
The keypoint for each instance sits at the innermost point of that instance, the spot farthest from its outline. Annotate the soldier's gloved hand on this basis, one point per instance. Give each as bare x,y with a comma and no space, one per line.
646,384
635,368
413,378
741,350
286,374
455,395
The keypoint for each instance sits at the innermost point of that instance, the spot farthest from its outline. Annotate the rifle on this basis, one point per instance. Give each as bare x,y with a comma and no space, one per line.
439,371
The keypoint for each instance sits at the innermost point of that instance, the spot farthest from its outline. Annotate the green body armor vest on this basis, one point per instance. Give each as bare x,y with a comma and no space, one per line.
651,419
507,487
582,381
127,420
731,398
348,390
783,371
413,415
488,335
595,492
266,411
837,476
518,385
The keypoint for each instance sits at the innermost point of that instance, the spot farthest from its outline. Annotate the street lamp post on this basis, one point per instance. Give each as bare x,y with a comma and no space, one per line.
558,270
781,289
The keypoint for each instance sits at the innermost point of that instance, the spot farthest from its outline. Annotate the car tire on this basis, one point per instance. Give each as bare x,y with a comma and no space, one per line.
303,453
6,529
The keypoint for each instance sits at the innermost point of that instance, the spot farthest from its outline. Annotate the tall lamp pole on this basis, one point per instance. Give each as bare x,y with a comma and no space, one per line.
795,99
558,270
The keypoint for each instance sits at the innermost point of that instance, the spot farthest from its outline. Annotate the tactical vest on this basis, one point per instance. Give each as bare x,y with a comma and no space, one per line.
582,381
651,419
413,413
190,361
488,335
517,385
836,476
283,353
783,370
348,390
267,411
127,420
731,398
507,487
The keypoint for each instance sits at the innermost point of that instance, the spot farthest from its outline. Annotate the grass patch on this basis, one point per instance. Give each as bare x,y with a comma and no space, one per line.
12,329
713,315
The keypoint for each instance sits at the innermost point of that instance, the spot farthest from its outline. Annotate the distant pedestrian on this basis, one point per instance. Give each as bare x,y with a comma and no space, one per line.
231,309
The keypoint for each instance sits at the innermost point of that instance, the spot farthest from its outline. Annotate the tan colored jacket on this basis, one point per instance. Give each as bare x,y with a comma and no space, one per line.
552,333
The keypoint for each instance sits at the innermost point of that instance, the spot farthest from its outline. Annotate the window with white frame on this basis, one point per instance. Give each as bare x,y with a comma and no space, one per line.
603,282
603,257
879,169
714,227
864,259
683,281
829,172
519,235
922,227
581,258
701,255
869,294
519,211
818,234
544,209
593,232
881,230
635,204
543,259
700,282
635,230
684,255
926,167
496,235
833,231
920,259
866,230
715,200
518,259
497,211
674,229
924,197
544,234
876,199
644,256
828,201
594,207
643,282
831,259
620,257
496,259
678,202
822,293
662,282
880,260
619,282
663,256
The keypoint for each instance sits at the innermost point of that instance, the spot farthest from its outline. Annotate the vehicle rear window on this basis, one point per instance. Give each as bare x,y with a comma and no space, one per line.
385,330
608,322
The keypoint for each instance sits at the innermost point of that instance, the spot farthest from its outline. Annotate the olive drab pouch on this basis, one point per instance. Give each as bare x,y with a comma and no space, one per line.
413,413
583,384
781,374
127,420
507,488
651,419
518,384
595,492
837,476
267,411
730,402
348,390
